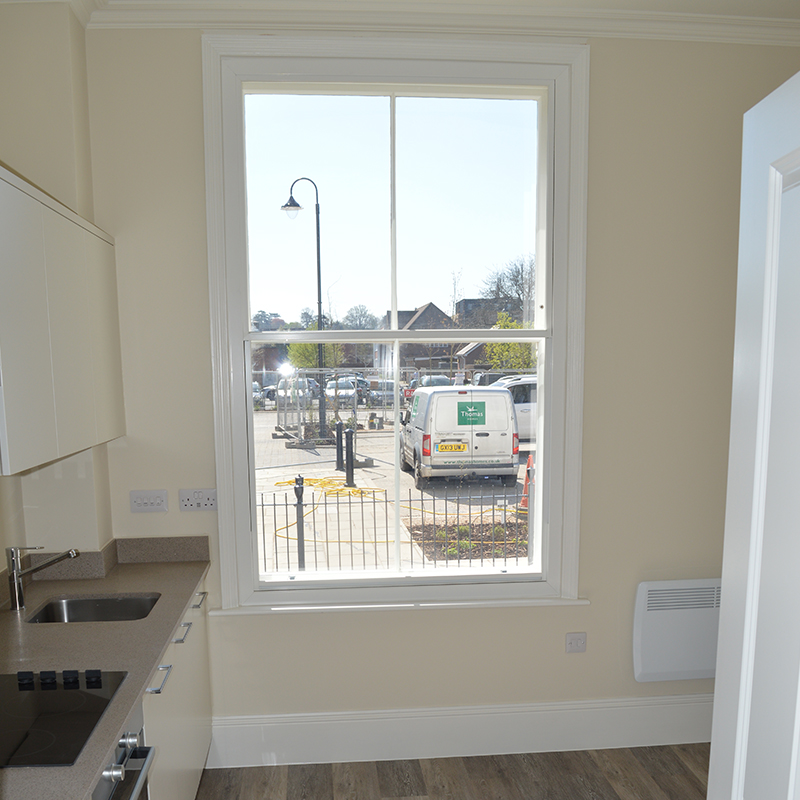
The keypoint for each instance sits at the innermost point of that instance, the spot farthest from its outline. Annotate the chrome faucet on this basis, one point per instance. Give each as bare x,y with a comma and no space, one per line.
15,571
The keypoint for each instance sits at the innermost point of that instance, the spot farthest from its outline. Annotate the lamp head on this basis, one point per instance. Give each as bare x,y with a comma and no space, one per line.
292,207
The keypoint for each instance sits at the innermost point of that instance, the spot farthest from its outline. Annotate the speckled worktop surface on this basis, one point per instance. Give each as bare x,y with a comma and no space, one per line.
134,646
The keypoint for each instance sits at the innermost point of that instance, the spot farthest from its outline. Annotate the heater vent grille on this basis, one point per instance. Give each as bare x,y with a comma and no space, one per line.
673,599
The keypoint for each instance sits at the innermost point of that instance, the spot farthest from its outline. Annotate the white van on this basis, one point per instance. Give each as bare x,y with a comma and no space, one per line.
523,392
460,431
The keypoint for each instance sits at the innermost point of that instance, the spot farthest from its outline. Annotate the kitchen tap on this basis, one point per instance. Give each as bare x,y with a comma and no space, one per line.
15,571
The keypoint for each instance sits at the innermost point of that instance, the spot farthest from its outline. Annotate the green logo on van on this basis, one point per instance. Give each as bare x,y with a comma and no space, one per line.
472,413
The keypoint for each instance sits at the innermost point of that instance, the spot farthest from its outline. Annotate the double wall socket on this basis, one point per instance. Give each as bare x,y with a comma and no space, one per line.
152,500
197,499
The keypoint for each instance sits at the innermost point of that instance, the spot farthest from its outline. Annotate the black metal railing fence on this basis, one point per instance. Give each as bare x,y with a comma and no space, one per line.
326,525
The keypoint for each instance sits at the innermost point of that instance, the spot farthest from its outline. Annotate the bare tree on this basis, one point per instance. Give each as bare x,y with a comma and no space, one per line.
514,288
457,292
360,318
309,320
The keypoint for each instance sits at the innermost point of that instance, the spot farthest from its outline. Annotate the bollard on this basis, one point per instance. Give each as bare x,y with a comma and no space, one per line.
301,543
348,458
339,446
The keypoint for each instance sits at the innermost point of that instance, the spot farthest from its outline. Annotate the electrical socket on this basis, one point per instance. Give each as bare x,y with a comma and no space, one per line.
576,642
152,500
197,499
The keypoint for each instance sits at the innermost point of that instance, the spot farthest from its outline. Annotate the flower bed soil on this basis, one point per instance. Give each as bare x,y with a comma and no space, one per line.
481,540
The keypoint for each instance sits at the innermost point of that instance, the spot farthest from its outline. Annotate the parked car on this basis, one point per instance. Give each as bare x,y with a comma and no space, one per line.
270,392
430,380
523,392
461,432
383,395
361,382
293,389
485,378
344,389
314,387
504,380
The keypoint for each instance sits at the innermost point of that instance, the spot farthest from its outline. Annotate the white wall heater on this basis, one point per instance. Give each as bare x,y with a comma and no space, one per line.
675,626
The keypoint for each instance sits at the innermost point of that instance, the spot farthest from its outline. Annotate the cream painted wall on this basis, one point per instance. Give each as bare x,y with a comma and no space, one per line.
44,132
12,518
44,136
665,132
80,119
664,164
145,90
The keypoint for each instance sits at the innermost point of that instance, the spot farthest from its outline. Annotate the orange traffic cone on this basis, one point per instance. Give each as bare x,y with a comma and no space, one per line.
528,479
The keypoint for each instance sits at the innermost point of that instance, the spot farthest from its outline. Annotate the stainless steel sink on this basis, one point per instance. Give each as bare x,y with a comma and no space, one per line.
106,608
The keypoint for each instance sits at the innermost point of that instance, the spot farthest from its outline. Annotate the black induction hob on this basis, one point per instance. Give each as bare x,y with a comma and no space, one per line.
46,718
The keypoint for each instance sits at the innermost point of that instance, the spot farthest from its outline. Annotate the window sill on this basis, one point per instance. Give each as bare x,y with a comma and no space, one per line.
267,608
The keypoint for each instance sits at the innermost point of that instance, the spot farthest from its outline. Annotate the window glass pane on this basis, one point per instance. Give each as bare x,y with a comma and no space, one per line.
341,144
461,495
466,209
467,490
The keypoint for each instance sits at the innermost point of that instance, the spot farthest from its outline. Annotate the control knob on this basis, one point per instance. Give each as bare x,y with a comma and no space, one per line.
129,740
114,773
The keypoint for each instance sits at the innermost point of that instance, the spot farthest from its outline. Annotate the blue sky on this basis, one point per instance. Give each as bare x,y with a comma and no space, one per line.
466,173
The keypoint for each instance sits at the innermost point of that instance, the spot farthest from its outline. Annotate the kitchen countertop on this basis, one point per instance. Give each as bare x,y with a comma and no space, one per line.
132,646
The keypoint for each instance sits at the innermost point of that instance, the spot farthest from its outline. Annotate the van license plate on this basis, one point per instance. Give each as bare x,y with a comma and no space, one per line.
451,448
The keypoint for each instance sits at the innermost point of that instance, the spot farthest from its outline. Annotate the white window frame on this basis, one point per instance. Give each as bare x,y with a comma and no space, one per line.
230,63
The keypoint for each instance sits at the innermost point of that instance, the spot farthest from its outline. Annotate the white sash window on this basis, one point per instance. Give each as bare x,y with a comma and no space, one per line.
399,143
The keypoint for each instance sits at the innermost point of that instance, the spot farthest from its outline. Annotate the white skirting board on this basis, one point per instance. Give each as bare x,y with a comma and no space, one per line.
442,732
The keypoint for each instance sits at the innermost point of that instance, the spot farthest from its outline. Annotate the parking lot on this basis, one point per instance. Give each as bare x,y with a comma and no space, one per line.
450,523
279,458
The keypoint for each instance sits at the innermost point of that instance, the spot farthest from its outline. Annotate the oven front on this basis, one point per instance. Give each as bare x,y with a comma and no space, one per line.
125,778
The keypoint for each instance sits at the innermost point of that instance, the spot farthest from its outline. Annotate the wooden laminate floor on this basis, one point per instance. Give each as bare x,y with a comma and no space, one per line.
676,772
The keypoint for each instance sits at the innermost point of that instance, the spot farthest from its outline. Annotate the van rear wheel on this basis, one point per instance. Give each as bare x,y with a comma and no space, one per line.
404,465
419,481
509,480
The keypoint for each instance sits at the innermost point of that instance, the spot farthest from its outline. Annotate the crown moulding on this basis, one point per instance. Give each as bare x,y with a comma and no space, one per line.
504,19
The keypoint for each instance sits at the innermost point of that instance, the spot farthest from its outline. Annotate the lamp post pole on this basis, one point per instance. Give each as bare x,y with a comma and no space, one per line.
291,208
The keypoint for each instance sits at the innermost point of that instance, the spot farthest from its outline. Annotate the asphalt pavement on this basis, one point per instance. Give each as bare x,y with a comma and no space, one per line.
278,459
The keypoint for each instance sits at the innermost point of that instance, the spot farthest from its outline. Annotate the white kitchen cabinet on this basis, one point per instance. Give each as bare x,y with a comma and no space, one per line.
101,293
60,369
177,721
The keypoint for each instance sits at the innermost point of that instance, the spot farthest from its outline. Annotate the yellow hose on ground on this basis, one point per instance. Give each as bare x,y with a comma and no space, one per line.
333,485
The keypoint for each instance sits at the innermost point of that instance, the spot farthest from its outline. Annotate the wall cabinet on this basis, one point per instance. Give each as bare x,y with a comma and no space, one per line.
177,721
60,368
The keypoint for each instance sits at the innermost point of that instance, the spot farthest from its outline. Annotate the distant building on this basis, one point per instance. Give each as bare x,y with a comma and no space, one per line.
425,318
436,357
471,356
481,312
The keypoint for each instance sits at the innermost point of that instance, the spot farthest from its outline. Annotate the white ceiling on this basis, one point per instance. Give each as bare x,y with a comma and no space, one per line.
747,21
764,9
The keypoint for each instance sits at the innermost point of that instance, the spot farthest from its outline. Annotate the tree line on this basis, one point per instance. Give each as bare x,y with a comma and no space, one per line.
507,301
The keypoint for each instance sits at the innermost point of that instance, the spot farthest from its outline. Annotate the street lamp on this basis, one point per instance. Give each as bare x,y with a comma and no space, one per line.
292,207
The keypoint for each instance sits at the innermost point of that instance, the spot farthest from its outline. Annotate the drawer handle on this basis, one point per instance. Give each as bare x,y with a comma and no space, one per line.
182,639
202,596
158,689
